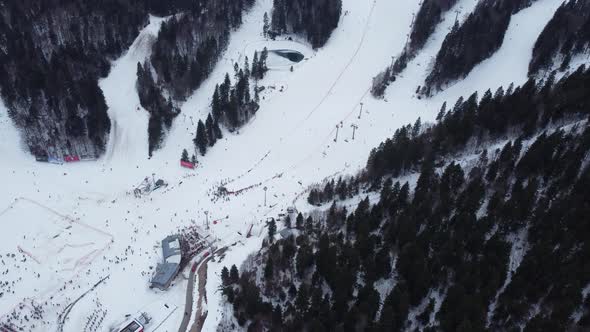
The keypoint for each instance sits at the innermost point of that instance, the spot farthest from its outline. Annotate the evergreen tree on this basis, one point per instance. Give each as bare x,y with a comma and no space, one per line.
225,280
201,138
246,67
442,111
184,156
266,25
262,69
234,275
416,128
224,90
216,104
255,66
209,126
272,229
299,221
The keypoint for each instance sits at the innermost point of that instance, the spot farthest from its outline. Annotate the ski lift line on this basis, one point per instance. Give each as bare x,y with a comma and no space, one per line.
327,94
329,136
251,168
318,147
342,72
324,141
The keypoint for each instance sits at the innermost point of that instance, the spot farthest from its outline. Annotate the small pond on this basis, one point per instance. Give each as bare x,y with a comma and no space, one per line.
293,56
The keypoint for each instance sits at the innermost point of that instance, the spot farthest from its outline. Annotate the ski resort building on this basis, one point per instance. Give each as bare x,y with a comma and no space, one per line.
168,269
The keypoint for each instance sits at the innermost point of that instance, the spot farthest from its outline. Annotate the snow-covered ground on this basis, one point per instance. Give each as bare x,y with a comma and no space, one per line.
289,145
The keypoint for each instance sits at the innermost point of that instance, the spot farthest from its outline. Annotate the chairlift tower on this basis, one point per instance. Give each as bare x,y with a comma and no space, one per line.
354,128
265,189
361,111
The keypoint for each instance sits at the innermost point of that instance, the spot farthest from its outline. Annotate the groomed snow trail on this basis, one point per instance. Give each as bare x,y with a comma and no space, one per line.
128,139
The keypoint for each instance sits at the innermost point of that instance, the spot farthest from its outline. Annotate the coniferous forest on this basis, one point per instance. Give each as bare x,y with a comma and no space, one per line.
313,19
426,21
74,48
438,254
232,104
185,52
475,40
53,55
564,37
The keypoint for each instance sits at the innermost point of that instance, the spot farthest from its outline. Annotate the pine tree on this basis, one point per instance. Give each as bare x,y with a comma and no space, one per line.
234,275
299,221
184,156
225,276
265,25
272,229
246,67
216,104
255,65
224,90
236,69
441,113
209,126
201,138
262,69
416,128
194,159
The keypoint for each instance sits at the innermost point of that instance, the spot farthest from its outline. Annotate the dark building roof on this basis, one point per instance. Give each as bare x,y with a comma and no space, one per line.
165,273
167,270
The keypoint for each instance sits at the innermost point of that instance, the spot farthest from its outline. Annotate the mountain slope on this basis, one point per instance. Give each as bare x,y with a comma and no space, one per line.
287,146
457,249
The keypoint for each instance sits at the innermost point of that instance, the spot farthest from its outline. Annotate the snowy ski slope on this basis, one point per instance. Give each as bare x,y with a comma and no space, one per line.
286,147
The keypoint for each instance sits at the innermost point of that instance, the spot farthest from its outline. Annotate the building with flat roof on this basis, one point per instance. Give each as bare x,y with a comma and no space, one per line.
168,269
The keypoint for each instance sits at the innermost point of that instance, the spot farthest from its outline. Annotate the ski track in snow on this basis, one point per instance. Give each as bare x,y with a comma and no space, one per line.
297,126
128,139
